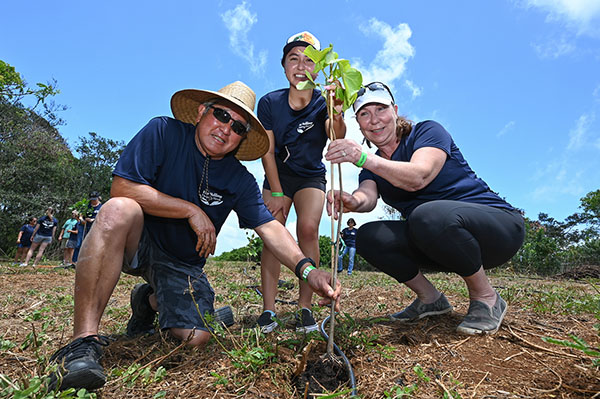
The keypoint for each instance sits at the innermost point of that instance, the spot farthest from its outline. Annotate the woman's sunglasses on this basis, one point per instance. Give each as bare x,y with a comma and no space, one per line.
375,86
239,128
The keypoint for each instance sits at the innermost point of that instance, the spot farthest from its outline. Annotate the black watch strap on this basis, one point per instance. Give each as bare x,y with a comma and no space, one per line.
302,263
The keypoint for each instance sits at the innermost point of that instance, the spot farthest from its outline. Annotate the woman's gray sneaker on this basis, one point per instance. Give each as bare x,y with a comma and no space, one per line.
481,319
417,310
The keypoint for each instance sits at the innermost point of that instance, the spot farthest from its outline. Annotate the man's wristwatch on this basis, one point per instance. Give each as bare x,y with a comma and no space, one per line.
307,270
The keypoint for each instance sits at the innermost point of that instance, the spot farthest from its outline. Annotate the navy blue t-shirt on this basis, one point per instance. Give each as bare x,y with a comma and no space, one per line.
164,155
27,230
349,237
46,225
92,213
456,181
300,136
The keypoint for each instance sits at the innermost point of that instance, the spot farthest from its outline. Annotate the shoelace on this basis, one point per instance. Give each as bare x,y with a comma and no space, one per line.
80,347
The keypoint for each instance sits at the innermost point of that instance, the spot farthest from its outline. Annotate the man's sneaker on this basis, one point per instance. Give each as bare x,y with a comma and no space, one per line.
482,319
79,364
417,310
305,322
267,321
142,314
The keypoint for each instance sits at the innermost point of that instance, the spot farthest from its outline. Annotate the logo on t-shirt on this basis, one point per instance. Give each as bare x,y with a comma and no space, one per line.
47,223
304,126
211,199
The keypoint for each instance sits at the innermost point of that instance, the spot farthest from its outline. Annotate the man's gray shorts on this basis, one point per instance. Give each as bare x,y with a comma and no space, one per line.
171,280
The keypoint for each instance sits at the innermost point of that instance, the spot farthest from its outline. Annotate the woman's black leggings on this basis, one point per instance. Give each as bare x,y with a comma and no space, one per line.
449,236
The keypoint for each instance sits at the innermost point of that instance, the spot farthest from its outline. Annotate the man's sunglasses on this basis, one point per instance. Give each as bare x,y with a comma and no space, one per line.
375,86
239,128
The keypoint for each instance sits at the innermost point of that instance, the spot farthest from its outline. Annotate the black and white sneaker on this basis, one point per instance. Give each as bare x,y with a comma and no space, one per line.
79,364
267,321
142,314
305,322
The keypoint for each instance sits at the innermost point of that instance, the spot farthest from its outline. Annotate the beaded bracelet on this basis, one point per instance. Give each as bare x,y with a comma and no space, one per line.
362,160
276,194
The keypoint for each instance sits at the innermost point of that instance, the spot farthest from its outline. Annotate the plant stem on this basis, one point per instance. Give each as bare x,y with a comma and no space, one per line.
335,250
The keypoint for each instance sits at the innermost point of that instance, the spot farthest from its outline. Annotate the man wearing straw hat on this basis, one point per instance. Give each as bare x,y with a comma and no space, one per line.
174,186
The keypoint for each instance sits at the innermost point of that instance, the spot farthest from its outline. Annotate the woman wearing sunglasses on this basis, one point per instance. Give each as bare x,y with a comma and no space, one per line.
297,124
453,222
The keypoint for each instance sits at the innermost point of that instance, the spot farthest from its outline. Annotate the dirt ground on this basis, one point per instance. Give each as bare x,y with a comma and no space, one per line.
426,358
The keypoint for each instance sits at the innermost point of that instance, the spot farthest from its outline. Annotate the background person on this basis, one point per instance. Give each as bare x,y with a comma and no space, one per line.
64,237
24,240
454,221
92,210
173,188
80,227
349,237
42,236
297,124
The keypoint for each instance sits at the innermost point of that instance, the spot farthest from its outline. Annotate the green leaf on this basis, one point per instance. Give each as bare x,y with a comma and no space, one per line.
305,85
352,79
330,57
314,54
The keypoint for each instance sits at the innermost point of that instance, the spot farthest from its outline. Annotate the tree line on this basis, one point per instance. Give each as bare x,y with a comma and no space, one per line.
38,168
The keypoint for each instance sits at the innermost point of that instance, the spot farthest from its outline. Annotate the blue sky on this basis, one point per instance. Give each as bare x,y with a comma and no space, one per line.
516,82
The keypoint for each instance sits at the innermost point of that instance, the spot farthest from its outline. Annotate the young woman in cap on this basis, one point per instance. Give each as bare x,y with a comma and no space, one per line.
297,124
453,221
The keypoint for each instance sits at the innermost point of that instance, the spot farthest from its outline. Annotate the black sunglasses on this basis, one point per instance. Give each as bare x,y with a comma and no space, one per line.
239,128
374,86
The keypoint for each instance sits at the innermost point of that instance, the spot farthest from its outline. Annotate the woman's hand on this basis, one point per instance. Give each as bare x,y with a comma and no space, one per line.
343,150
276,205
333,203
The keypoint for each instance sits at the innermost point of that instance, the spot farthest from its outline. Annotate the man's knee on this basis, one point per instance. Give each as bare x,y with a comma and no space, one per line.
199,338
119,212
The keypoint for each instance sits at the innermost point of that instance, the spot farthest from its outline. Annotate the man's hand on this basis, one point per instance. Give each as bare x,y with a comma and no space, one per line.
320,282
205,230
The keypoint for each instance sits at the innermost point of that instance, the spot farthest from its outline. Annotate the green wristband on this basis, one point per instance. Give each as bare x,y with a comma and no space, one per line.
306,271
362,160
276,194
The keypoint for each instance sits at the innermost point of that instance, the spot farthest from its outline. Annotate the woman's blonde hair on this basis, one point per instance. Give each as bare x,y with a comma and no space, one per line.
403,126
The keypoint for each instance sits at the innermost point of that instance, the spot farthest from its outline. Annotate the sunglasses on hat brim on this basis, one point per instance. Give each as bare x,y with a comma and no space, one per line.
374,86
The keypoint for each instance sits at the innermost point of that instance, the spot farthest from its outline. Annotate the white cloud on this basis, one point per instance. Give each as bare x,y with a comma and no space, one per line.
582,16
507,128
416,91
239,21
554,48
578,135
389,63
596,93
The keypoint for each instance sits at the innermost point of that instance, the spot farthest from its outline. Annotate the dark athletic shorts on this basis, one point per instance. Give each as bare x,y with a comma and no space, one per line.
171,279
291,182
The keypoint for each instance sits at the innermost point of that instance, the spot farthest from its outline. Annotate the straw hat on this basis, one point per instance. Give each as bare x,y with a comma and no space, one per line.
185,103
